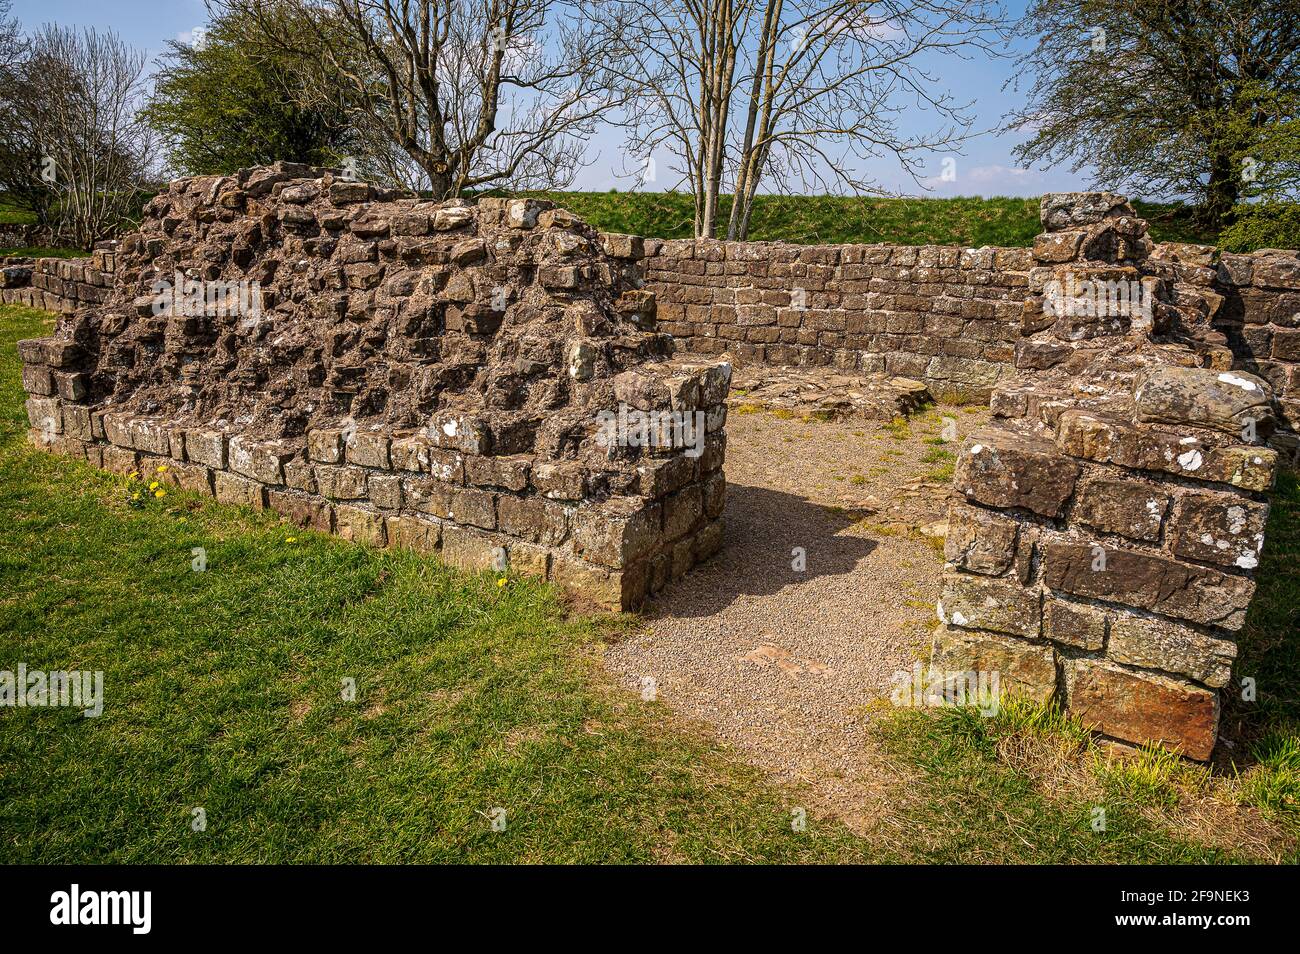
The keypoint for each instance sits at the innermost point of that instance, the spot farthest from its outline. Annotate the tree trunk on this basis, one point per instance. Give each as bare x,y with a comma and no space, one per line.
1222,192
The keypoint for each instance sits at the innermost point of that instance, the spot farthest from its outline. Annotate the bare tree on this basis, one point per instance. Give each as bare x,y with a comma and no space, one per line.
474,93
10,39
791,93
72,146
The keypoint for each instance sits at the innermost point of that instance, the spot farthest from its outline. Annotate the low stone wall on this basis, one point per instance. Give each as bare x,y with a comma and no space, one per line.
472,380
943,315
1103,544
60,285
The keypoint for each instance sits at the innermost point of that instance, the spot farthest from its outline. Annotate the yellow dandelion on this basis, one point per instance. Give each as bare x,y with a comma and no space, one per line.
160,493
501,582
162,468
136,495
290,539
134,475
153,485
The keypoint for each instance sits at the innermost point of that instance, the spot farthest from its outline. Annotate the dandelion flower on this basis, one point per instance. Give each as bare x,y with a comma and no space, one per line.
162,468
290,539
160,493
153,485
501,582
134,475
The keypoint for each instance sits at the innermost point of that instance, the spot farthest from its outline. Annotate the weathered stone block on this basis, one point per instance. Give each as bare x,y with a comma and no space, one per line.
980,541
618,532
302,511
1142,707
1074,624
368,449
977,602
1173,647
1097,437
1222,400
682,512
427,495
611,590
192,477
1219,528
534,519
341,483
1000,469
1146,581
474,507
262,461
470,549
359,526
232,489
385,491
408,532
46,415
1127,507
205,447
1024,670
325,446
509,473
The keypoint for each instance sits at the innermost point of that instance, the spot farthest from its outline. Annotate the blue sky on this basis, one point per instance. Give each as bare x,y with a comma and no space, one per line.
985,165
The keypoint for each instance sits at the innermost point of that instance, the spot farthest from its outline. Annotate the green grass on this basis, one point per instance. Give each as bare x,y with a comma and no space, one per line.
13,215
44,251
812,220
223,692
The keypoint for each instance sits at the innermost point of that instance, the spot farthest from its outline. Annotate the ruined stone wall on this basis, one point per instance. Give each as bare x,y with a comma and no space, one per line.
1260,318
944,315
1102,546
440,376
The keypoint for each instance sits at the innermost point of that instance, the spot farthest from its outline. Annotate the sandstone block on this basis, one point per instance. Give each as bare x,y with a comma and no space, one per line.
977,602
1024,670
1146,581
1142,707
1000,469
359,526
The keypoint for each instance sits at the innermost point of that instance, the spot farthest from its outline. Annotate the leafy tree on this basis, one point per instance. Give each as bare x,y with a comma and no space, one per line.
1165,97
229,100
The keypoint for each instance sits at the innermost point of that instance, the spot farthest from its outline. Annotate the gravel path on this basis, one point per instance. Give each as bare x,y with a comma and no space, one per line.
788,666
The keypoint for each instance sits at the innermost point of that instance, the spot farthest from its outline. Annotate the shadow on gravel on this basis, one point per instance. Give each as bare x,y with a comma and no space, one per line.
764,528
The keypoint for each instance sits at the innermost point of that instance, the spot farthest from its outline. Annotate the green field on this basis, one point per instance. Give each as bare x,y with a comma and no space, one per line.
223,691
812,220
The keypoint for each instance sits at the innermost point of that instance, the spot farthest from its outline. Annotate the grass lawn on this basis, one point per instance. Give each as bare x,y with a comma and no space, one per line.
814,220
223,692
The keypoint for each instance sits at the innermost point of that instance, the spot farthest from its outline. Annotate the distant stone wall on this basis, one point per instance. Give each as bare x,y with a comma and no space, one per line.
944,315
60,285
1102,547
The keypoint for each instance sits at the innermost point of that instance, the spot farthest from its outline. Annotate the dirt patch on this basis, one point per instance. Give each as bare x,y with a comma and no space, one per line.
789,665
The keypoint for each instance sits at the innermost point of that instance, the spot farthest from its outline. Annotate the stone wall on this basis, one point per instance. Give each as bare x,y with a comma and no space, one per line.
1260,318
944,315
440,376
1102,546
60,285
